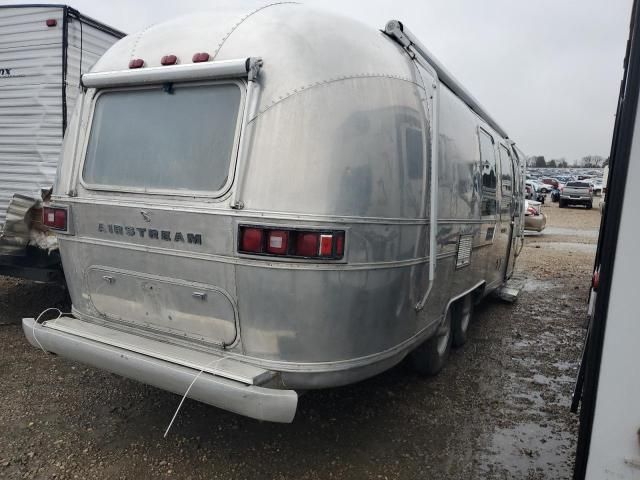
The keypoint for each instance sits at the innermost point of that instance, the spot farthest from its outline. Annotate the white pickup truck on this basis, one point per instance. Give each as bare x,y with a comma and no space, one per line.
577,193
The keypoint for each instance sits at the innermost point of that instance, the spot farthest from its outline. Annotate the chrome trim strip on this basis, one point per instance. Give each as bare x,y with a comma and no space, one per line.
261,262
215,209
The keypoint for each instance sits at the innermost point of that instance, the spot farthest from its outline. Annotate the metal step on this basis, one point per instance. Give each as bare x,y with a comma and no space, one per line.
510,290
215,363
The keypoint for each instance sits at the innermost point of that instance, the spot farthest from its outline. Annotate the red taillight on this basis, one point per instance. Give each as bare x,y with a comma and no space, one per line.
252,240
136,63
595,283
55,218
52,22
307,244
339,244
326,245
200,57
169,60
277,242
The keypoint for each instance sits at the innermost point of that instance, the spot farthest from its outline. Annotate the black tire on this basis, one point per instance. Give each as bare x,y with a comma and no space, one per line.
589,205
430,357
562,204
462,312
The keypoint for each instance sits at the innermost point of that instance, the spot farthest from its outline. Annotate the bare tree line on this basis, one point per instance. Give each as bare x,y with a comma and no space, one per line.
589,161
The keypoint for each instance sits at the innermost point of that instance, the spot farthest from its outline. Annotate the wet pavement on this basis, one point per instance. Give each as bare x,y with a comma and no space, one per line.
499,409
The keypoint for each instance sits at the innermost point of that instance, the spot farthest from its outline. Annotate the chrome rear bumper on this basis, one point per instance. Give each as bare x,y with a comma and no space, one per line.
253,401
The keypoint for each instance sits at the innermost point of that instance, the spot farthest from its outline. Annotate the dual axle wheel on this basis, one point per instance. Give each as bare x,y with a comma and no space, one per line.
431,356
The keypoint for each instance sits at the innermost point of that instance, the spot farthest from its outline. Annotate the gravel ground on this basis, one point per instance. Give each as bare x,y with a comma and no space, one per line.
499,409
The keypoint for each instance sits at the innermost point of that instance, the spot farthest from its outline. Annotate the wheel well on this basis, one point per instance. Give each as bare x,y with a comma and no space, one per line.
477,292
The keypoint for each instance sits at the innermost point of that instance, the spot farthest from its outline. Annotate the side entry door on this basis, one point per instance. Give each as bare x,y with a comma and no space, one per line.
508,207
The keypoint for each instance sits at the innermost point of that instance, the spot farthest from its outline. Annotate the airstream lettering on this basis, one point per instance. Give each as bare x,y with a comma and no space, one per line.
194,238
355,199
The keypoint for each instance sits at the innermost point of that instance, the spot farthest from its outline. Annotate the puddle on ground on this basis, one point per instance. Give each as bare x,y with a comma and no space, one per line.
532,399
533,285
527,448
565,365
574,232
567,246
540,379
523,344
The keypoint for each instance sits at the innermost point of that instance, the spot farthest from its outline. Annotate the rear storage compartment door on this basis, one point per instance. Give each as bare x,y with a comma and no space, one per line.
185,309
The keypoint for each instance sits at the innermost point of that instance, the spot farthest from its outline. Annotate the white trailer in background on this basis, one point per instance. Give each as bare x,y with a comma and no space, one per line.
609,383
44,49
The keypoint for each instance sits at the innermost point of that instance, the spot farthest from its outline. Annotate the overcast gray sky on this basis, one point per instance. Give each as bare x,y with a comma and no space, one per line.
547,70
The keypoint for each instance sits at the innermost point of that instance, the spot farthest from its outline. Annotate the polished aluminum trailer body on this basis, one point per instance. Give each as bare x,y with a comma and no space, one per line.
333,132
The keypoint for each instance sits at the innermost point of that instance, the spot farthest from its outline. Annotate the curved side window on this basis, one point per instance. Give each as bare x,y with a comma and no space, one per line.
164,139
506,169
488,172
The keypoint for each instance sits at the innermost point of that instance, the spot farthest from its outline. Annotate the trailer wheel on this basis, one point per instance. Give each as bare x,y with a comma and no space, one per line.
462,311
432,355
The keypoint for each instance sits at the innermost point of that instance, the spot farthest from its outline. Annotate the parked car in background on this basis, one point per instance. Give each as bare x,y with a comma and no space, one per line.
534,218
529,191
577,193
605,179
532,192
597,187
564,179
548,184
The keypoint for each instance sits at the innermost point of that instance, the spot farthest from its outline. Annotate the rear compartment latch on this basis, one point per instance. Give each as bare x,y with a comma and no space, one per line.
199,295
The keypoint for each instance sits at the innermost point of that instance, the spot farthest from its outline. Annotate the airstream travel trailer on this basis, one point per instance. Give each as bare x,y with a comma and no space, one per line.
44,49
255,202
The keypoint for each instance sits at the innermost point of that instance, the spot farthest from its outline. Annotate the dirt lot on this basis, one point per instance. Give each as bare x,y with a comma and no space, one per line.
499,410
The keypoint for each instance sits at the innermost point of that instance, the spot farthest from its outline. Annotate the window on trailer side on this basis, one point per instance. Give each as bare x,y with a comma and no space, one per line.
488,173
506,171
